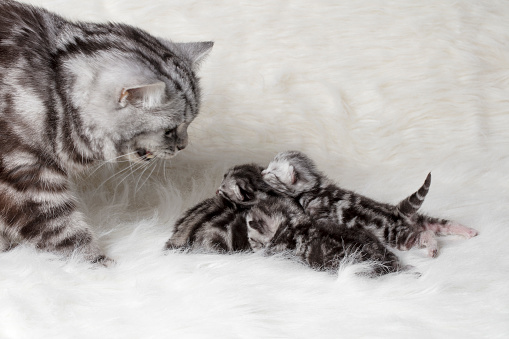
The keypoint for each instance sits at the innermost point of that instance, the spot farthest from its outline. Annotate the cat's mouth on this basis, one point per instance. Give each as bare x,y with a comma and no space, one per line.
144,154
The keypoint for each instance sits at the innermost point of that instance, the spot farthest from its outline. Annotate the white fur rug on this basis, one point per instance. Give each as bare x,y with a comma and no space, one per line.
378,93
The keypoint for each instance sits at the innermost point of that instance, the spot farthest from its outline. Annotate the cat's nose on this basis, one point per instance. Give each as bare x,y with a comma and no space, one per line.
264,172
180,147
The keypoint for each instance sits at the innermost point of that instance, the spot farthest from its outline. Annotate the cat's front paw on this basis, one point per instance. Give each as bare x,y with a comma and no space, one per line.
104,261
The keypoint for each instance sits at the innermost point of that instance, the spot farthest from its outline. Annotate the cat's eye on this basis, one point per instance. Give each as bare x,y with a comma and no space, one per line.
168,132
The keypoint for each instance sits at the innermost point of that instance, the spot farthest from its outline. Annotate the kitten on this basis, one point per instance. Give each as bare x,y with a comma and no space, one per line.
244,185
74,94
214,225
218,224
279,224
294,174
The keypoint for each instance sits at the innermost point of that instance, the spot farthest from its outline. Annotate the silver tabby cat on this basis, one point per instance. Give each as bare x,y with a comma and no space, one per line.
279,224
218,224
294,174
247,214
73,94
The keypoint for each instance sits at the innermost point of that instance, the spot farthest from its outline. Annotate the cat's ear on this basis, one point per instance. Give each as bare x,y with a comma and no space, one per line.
238,193
293,174
145,95
196,51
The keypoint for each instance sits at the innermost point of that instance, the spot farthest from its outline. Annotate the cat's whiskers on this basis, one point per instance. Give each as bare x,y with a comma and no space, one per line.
114,175
164,171
131,172
148,176
103,163
143,167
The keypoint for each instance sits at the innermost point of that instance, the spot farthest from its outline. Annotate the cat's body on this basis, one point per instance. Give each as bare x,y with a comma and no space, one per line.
294,174
218,224
73,95
214,225
279,224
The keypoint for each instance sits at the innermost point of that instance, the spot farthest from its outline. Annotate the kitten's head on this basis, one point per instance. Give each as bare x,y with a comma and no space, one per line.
262,223
136,98
291,173
244,185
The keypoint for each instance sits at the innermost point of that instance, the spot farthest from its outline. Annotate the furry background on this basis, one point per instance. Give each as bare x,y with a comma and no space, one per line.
378,94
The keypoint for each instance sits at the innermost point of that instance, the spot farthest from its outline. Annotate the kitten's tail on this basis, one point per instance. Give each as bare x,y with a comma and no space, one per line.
408,207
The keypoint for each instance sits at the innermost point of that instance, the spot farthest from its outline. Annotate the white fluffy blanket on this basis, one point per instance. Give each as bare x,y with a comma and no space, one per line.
379,94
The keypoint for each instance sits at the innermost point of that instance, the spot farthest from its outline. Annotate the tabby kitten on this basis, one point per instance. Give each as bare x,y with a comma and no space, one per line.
294,174
214,225
74,94
218,224
279,224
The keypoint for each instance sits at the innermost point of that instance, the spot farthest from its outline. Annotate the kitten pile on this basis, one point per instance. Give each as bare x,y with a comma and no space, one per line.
291,207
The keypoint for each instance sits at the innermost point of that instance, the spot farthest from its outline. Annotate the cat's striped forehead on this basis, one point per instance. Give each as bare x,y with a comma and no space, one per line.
246,175
293,159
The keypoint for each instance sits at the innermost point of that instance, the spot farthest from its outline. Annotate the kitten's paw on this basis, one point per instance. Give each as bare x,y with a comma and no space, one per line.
104,261
410,269
427,240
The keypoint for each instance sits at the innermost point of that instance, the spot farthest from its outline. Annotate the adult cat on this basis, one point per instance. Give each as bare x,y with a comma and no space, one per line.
73,94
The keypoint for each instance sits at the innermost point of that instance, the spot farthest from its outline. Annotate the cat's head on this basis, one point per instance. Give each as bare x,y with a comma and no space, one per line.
262,223
291,173
137,101
244,185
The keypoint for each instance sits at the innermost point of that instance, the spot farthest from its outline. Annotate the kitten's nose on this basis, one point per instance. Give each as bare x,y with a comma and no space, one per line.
264,172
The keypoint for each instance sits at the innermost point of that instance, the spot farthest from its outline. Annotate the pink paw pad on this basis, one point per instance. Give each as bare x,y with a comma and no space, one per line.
427,240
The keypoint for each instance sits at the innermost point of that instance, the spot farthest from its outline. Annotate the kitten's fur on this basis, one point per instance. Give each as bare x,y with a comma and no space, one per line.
279,224
75,94
218,224
214,225
294,174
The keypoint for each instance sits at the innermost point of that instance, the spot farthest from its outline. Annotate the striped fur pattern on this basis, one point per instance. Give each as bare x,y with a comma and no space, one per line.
244,185
74,94
294,174
279,224
218,224
214,225
247,214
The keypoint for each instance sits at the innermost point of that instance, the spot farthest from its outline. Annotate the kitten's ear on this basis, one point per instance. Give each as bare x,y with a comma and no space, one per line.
238,193
293,174
196,51
145,95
